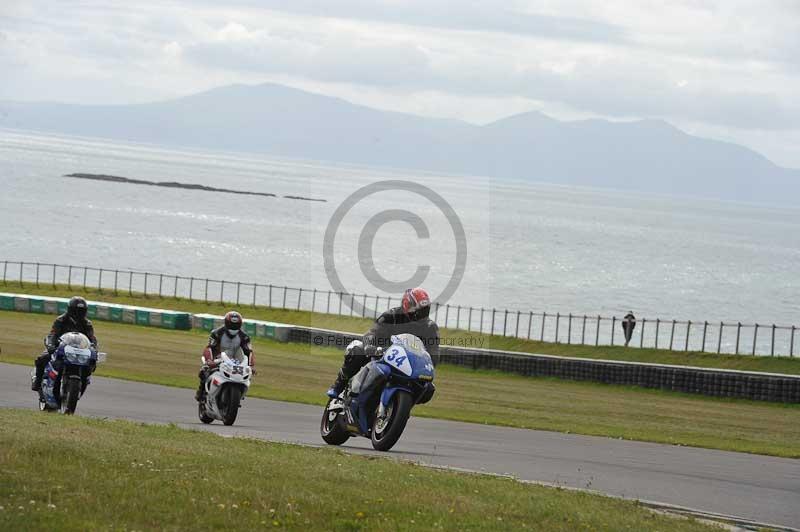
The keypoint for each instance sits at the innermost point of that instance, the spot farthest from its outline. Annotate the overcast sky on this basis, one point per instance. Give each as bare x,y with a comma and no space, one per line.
727,69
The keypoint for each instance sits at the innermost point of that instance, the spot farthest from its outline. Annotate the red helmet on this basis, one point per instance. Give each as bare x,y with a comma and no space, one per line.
233,321
415,299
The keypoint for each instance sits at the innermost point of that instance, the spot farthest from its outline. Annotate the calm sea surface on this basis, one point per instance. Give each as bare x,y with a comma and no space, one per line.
530,246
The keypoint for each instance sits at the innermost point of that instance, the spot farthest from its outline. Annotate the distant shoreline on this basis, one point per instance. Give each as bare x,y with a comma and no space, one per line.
175,184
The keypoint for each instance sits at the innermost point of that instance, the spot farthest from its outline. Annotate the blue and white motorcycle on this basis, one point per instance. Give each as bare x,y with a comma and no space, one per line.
377,401
68,373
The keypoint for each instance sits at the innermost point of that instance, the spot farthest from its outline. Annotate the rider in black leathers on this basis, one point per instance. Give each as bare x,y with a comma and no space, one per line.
74,320
411,318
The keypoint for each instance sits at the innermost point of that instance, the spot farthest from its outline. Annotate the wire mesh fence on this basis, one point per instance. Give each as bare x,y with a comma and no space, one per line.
579,329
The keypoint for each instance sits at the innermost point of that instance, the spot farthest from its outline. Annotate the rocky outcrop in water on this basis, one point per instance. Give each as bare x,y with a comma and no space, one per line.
175,184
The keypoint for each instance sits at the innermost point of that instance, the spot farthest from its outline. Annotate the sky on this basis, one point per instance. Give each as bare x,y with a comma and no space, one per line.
728,69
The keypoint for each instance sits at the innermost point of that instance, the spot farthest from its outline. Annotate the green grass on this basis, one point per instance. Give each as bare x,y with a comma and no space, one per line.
69,473
302,373
352,324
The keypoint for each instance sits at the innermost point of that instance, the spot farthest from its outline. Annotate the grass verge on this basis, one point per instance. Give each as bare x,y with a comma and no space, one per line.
119,475
354,324
302,373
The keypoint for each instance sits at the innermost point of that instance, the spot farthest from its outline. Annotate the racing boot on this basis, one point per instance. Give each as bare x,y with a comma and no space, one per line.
36,385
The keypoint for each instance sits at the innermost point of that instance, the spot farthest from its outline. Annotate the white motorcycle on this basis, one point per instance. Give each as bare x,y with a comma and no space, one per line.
225,387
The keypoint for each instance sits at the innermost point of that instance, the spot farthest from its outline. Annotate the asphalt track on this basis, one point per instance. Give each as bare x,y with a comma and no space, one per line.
757,488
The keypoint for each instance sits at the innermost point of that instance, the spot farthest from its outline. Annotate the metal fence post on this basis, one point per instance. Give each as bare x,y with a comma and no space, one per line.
772,344
505,321
446,314
493,313
719,339
145,283
641,333
705,329
658,324
69,278
191,289
328,308
84,277
791,343
175,288
222,292
238,290
458,317
558,319
255,291
469,320
755,337
481,325
738,335
54,275
364,307
20,272
569,330
688,331
314,300
100,281
613,328
37,275
375,310
205,292
516,327
284,297
671,335
116,278
530,321
352,302
130,283
341,297
583,331
544,318
160,283
597,332
299,297
5,270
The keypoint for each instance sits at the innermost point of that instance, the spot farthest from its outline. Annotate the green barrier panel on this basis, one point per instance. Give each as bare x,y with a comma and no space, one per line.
115,314
92,311
128,315
250,328
37,305
208,323
62,306
51,307
6,302
142,317
182,321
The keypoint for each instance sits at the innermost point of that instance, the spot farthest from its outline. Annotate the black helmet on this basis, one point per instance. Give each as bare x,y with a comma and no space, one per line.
233,322
77,308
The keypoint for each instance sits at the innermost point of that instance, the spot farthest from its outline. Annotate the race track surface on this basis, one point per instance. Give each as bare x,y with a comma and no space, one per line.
758,488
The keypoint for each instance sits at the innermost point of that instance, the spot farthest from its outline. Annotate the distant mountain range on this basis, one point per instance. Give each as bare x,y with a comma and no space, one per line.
644,155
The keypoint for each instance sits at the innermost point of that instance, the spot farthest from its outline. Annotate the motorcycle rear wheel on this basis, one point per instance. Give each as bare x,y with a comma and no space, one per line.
386,431
332,431
201,413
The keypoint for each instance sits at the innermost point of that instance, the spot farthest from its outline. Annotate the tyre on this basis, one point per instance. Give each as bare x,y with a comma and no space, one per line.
201,412
72,393
331,427
386,431
233,396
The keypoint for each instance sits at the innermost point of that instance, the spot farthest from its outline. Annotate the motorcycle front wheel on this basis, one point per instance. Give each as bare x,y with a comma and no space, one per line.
233,397
202,414
388,429
72,393
331,427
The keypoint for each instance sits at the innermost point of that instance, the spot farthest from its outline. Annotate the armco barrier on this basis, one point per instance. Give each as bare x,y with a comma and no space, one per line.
715,382
707,381
255,328
98,310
